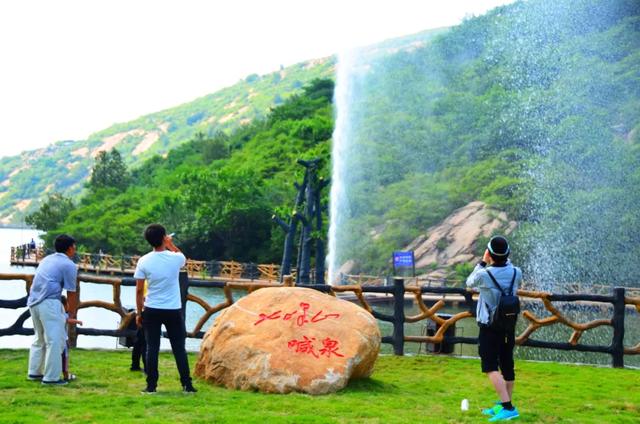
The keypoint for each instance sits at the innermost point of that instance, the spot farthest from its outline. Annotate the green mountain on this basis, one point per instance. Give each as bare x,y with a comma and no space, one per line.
235,114
65,166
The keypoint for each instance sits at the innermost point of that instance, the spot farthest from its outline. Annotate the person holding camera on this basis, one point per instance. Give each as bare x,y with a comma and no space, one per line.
494,277
162,304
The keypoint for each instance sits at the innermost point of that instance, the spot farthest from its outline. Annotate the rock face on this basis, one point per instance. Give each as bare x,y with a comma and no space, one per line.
453,241
279,340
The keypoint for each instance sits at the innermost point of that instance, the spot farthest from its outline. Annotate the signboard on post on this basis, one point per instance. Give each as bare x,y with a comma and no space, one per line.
403,261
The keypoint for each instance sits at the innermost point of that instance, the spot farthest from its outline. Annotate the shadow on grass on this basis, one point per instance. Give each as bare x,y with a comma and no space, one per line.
370,385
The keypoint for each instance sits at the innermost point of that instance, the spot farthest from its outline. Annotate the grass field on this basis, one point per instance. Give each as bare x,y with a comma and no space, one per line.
418,389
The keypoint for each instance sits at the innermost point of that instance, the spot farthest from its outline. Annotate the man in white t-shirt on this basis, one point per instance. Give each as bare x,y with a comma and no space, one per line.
162,304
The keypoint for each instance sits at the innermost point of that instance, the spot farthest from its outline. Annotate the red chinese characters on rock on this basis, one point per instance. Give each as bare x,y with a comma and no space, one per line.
303,317
305,346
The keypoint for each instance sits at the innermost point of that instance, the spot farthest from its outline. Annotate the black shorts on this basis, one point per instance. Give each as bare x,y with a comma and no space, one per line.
496,351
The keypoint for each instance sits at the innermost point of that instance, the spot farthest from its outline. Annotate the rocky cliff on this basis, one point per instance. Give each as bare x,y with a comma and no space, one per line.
456,239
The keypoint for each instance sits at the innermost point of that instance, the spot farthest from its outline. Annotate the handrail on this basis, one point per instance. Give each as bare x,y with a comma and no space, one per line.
101,263
620,304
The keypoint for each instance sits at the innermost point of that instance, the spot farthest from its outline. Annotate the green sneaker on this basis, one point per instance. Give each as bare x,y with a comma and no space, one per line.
497,407
505,415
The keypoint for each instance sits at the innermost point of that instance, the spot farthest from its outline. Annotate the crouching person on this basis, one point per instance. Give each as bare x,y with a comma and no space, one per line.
497,280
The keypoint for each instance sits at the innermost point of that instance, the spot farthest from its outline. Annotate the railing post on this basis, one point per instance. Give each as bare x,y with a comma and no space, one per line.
617,344
183,278
398,316
73,333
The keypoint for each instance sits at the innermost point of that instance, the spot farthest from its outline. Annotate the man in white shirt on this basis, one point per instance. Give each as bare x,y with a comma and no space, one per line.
162,304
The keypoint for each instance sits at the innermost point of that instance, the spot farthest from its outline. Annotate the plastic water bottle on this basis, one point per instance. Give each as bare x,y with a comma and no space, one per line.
464,405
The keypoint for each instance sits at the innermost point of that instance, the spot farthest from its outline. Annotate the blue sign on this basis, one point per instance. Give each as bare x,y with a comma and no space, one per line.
403,259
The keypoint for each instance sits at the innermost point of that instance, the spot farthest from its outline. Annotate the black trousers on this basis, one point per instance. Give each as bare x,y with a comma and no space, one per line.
496,351
152,321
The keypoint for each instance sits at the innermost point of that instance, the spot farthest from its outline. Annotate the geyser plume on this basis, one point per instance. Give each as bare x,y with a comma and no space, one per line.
531,108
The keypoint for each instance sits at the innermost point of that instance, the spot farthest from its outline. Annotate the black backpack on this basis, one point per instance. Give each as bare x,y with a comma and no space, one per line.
506,314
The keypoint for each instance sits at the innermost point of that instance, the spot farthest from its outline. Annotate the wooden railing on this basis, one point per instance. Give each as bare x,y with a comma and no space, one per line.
126,264
617,305
114,265
25,254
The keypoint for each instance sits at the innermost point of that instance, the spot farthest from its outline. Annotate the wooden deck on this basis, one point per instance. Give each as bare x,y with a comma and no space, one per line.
125,265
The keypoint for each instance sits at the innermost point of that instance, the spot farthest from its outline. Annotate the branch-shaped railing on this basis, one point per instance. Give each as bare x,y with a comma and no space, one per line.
617,303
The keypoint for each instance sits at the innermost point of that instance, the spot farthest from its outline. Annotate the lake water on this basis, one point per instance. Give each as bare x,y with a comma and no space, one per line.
13,289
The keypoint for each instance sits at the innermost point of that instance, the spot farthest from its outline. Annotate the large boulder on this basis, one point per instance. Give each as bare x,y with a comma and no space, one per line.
284,339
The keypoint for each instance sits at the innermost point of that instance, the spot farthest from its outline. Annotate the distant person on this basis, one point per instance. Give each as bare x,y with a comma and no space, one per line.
30,247
162,304
55,273
495,276
66,374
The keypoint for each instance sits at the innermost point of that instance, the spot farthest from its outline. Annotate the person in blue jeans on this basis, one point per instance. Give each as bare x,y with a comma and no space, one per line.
496,346
161,305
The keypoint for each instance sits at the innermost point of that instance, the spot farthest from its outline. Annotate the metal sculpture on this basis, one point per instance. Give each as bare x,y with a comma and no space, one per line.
308,212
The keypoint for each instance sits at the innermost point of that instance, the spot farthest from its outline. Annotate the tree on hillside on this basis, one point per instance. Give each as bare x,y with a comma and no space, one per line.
52,213
320,87
231,219
109,171
300,106
214,147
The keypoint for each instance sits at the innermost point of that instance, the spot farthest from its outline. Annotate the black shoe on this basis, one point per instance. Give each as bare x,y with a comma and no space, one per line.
135,368
34,377
189,389
55,383
148,391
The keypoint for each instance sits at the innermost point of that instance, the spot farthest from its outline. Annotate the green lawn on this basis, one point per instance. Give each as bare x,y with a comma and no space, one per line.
418,389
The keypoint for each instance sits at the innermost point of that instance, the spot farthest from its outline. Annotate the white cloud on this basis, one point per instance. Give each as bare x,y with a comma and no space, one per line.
73,67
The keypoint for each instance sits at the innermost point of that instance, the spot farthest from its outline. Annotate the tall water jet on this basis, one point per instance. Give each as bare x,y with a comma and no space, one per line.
339,200
337,197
